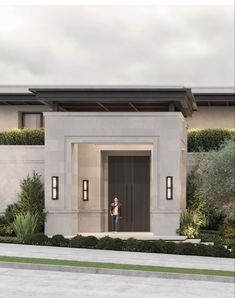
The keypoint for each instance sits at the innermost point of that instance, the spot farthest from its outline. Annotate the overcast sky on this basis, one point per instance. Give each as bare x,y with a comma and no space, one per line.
191,46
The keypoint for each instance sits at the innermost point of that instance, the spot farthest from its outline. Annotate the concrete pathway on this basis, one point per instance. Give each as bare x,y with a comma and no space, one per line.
17,283
121,257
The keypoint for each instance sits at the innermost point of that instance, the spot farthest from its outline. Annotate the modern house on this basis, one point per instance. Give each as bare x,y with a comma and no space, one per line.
102,142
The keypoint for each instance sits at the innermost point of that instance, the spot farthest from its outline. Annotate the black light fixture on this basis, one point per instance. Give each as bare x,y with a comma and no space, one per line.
55,187
85,190
169,187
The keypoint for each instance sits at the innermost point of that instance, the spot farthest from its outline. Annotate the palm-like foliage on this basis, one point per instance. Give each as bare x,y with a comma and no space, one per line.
24,225
190,223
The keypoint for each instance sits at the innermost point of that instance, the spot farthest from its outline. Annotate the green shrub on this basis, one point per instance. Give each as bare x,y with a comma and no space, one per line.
220,251
185,249
215,182
110,243
6,230
228,229
24,225
131,244
59,240
190,223
12,211
3,220
10,240
77,241
84,242
208,139
161,246
32,198
22,137
90,242
37,239
211,236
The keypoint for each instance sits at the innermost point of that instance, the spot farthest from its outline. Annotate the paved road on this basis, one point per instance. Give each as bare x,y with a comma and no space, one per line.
16,283
92,255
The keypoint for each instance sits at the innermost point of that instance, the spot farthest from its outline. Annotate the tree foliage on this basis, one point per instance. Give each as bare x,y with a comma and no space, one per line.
215,180
32,198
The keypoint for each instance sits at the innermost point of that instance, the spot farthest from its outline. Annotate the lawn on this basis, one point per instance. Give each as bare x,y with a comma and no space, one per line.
116,266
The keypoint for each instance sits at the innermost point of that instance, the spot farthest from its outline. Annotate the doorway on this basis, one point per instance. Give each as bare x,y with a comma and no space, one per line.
129,180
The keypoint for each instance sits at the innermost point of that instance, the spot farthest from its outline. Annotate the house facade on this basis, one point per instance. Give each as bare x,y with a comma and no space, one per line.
102,142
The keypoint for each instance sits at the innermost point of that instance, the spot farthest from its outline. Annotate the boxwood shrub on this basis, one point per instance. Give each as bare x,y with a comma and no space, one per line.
207,139
110,243
59,240
38,239
84,242
22,137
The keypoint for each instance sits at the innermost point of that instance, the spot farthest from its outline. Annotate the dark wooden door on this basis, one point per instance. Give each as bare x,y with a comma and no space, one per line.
129,180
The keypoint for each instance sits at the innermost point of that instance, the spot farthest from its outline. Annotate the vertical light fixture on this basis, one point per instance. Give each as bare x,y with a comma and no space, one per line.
169,187
85,190
55,187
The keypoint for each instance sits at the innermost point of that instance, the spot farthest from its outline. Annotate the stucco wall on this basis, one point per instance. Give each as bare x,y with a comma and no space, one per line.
9,115
204,117
16,162
212,117
165,131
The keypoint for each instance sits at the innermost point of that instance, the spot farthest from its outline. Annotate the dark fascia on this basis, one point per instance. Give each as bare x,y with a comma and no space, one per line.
180,96
213,97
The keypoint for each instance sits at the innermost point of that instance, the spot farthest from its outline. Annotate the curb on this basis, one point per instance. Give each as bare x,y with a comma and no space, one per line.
123,272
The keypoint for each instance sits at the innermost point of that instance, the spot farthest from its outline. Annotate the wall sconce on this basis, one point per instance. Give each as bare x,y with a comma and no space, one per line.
55,187
85,190
169,187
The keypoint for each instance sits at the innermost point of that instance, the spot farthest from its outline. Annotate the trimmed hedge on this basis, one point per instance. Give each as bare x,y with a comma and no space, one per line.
198,139
22,137
131,244
208,139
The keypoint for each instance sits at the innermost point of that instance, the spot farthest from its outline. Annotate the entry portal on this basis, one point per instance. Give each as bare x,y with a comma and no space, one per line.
129,180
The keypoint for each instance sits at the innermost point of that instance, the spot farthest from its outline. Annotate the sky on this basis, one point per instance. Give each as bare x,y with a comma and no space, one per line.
122,45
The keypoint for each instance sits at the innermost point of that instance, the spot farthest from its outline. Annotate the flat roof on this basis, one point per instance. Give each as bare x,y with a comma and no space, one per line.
118,97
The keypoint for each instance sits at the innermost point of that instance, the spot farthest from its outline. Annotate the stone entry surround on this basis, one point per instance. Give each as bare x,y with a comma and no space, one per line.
165,132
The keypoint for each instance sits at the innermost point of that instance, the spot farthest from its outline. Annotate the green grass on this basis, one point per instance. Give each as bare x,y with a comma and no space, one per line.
116,266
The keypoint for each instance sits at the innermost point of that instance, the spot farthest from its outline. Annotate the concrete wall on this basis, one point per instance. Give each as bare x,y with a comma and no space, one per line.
212,117
9,115
16,162
166,132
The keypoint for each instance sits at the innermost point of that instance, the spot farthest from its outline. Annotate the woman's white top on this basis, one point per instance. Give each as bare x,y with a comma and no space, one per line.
115,210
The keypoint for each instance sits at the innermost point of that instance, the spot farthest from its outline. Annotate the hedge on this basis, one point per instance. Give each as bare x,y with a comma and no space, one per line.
208,139
131,244
22,137
198,139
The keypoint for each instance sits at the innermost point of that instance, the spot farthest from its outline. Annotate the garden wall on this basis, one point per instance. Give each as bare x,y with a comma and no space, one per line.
16,162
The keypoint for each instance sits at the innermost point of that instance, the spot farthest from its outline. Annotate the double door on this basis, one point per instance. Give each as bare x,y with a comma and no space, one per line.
129,180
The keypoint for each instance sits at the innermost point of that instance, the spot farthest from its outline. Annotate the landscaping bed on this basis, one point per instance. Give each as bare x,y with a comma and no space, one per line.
131,244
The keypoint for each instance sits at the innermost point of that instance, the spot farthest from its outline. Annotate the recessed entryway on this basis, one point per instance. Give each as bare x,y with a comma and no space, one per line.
129,180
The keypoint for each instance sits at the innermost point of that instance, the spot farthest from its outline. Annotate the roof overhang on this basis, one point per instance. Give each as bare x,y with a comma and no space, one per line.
118,98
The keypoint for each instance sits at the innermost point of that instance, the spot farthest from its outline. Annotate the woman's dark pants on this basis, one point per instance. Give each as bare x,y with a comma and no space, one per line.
115,223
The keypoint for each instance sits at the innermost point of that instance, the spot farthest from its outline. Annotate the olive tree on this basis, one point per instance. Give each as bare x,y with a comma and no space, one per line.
215,179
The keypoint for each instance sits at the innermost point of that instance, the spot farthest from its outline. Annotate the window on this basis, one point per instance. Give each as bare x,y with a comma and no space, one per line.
32,120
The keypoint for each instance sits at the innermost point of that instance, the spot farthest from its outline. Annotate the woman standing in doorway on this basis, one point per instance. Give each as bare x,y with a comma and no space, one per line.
115,212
